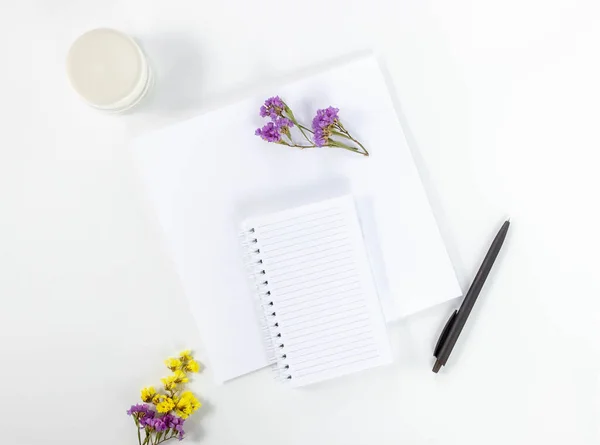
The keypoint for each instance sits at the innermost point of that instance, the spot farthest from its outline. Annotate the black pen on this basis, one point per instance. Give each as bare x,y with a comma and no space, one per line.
457,320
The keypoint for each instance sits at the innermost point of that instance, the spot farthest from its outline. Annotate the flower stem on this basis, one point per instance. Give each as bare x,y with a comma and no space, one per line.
147,438
307,129
347,135
165,439
172,436
301,127
333,143
292,144
137,426
366,153
289,136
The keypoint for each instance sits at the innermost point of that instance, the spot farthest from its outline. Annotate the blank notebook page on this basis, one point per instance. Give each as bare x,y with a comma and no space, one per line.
319,307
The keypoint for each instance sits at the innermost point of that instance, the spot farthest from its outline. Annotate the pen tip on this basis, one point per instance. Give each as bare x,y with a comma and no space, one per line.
437,366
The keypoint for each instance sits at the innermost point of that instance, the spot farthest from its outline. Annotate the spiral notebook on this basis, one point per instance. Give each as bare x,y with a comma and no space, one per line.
316,299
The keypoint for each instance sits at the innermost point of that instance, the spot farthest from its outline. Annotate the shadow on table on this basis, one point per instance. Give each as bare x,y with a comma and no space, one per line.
177,68
193,425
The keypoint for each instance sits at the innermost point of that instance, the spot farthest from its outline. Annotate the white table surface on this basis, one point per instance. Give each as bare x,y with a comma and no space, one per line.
500,101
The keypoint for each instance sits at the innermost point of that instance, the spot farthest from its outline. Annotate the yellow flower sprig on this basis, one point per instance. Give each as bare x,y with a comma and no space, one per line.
185,362
172,403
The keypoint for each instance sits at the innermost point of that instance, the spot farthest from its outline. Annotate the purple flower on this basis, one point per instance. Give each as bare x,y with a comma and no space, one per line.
320,138
322,124
282,123
325,118
270,132
272,108
143,413
158,424
137,409
175,423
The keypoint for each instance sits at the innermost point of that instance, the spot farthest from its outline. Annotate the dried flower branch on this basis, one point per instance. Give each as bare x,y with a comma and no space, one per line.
327,129
163,413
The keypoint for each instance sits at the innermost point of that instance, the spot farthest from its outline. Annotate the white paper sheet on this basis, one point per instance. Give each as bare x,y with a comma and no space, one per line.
203,176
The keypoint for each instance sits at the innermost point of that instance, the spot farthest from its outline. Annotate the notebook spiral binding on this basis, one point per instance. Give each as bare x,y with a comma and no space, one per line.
273,337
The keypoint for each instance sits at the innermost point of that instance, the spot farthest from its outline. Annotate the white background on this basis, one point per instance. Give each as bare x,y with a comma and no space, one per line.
501,105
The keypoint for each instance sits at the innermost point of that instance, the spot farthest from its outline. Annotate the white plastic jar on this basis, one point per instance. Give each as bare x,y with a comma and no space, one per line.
108,70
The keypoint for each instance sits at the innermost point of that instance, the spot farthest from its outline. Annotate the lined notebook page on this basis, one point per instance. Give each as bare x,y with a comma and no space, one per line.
321,307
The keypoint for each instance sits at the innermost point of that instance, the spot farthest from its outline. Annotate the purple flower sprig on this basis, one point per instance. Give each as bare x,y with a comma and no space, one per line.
164,427
327,129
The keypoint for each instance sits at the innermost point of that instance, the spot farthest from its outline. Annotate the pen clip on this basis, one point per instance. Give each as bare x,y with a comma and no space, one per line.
444,334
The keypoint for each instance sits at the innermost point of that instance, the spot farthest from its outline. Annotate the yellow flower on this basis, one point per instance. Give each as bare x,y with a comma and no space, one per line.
186,405
194,403
192,366
166,405
148,393
180,377
183,409
169,383
186,355
173,363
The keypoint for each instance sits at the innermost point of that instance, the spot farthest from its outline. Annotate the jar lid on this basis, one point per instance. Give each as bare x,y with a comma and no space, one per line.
107,69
